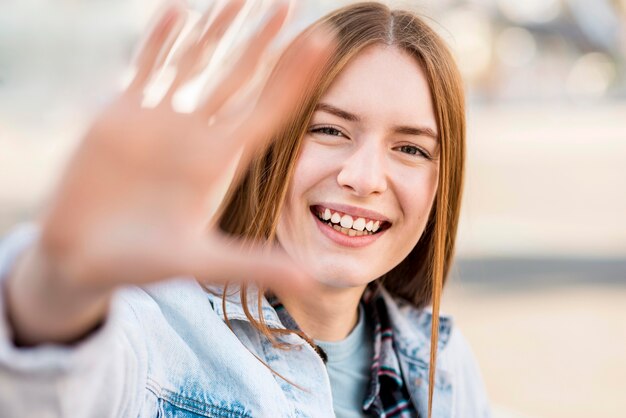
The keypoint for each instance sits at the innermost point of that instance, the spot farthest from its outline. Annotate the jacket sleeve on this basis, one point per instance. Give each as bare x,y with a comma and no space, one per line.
103,375
470,399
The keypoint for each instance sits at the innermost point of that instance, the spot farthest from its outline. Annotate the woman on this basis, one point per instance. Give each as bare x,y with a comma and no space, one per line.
360,186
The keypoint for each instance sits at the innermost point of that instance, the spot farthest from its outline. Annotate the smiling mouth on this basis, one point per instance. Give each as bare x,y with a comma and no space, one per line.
349,225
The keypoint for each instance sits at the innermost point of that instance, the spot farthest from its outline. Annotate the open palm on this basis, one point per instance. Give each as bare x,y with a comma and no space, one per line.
131,207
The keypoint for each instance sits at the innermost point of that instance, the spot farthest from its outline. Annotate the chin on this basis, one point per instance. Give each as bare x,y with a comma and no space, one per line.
342,278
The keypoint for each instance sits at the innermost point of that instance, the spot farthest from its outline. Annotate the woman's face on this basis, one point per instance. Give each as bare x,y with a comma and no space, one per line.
365,181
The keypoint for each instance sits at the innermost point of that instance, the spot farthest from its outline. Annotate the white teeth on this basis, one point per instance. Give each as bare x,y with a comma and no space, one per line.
346,221
349,231
359,224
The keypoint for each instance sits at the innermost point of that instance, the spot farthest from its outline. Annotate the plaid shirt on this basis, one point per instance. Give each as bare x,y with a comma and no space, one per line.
387,395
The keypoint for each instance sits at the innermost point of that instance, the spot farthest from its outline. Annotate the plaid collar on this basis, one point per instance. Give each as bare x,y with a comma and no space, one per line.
387,395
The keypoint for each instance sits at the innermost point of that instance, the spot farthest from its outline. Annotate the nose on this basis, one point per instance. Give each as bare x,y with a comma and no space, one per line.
364,172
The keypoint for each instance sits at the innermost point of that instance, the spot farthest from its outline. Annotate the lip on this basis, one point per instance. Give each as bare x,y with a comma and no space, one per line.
345,240
353,210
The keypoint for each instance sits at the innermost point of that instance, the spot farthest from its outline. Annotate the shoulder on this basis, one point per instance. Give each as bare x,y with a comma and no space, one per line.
174,303
464,371
150,318
414,324
456,362
172,291
180,332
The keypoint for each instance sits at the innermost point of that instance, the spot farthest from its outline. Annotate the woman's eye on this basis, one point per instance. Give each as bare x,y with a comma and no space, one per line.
413,150
327,130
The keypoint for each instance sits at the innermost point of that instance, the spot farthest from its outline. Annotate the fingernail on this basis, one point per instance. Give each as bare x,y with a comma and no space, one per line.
167,21
273,10
170,16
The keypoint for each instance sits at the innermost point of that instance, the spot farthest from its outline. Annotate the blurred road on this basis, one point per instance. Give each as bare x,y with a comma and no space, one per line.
548,351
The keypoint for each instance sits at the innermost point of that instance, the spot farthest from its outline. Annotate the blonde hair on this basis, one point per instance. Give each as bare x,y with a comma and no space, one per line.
253,204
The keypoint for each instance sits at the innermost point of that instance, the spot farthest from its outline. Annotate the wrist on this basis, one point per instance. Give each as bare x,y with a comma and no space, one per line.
42,306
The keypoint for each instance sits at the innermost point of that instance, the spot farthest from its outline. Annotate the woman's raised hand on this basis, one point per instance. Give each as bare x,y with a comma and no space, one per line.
131,206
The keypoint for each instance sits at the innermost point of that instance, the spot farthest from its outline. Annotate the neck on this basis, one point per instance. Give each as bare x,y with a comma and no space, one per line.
322,312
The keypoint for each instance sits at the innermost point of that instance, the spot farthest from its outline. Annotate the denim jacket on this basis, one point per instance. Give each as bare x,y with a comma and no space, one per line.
166,351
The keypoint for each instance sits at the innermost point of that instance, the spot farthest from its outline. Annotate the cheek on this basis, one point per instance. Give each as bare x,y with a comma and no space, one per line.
313,168
308,175
416,198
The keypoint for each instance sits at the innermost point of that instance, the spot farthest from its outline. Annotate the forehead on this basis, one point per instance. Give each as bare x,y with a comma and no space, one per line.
384,82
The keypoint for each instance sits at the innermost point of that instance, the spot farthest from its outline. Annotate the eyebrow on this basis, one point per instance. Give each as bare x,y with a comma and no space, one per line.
351,117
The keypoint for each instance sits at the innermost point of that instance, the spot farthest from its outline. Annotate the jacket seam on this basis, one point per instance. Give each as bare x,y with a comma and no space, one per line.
192,405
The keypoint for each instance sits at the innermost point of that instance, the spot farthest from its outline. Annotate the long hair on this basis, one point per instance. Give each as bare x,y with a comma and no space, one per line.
252,205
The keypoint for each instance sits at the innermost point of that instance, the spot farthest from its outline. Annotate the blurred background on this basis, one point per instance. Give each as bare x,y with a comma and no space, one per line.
539,287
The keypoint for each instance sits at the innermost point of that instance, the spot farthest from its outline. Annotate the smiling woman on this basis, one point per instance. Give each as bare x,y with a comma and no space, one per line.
336,235
368,164
378,142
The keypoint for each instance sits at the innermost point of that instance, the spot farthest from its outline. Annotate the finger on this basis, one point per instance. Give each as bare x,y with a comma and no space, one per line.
221,259
201,45
298,70
247,65
221,23
156,47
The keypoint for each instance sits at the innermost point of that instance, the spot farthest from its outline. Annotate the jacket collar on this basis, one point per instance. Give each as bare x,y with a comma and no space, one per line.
411,325
233,309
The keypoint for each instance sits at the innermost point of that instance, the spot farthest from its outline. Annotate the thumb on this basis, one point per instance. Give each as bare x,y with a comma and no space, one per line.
221,259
